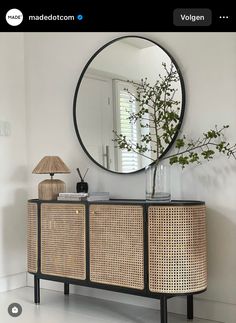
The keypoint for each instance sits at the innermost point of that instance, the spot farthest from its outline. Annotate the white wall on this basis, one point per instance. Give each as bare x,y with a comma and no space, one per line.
13,171
53,64
130,62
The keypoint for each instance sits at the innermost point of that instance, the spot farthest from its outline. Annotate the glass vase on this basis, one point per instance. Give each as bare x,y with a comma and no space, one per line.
158,182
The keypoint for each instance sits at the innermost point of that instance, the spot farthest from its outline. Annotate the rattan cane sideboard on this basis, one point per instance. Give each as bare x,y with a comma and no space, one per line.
155,250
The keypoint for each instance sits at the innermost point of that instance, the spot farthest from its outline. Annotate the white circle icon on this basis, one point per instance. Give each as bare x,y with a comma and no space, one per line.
14,17
14,310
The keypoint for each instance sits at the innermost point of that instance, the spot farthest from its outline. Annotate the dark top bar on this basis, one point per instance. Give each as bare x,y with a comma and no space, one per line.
95,16
128,201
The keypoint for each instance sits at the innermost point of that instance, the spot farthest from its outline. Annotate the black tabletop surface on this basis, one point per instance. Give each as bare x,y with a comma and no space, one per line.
128,201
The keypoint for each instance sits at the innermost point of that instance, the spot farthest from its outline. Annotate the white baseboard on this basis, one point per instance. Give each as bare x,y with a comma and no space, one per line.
205,309
13,281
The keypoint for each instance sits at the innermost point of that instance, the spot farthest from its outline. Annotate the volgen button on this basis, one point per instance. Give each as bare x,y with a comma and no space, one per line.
192,17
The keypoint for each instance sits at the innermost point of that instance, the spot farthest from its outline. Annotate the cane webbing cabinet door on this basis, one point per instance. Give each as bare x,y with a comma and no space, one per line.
63,240
116,237
177,249
32,239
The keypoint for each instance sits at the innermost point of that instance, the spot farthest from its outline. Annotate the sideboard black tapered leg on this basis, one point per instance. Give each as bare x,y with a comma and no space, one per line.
66,288
163,301
190,307
36,290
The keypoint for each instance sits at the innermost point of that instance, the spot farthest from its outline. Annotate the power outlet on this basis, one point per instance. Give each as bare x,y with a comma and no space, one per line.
5,128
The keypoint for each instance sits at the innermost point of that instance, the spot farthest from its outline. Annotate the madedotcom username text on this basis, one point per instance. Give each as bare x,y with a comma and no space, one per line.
51,17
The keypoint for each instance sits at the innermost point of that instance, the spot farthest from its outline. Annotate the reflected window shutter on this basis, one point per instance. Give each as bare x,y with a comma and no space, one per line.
129,160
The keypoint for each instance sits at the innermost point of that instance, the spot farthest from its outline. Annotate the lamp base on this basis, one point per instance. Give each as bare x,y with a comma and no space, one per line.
50,189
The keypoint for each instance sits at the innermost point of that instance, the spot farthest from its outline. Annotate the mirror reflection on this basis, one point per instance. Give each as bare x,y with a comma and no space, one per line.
105,101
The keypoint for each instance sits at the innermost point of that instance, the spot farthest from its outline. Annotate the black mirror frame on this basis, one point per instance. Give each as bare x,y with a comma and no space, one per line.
77,90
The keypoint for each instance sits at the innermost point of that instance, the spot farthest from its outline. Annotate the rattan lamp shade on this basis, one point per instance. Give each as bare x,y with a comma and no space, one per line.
50,188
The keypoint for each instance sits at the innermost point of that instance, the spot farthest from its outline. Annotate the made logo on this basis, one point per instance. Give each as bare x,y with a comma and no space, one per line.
14,17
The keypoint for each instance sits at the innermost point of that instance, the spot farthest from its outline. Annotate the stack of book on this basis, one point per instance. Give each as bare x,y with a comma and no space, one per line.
93,196
98,196
72,196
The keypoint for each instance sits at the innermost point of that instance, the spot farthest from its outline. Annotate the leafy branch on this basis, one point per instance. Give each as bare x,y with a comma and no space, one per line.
158,118
194,151
157,111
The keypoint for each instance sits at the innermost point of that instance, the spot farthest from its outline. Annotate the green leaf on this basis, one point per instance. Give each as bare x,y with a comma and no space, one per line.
221,146
183,160
179,143
208,154
174,160
211,134
193,157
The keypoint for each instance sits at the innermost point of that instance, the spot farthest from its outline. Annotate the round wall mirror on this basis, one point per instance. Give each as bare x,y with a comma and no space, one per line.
109,97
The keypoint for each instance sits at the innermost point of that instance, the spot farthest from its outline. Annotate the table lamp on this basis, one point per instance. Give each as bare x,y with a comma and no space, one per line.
50,188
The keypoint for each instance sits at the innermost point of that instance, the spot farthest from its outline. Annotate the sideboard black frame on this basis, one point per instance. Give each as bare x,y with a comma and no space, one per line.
163,297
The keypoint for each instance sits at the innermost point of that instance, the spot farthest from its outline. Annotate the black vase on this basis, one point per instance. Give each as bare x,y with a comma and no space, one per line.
82,187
